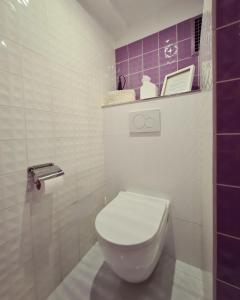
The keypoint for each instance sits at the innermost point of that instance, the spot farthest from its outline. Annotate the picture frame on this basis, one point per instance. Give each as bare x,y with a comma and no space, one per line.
178,82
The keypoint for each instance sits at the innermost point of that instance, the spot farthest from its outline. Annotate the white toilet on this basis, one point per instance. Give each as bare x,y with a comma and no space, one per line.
131,232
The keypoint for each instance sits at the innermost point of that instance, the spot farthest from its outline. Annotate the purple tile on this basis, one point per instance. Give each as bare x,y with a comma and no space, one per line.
160,88
150,43
168,54
150,60
184,29
153,74
184,49
135,80
137,92
227,292
227,11
135,48
228,159
228,107
122,68
187,62
195,85
228,49
228,262
135,65
121,54
167,69
228,207
167,36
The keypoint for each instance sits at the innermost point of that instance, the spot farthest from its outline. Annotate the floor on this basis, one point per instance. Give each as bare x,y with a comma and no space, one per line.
92,279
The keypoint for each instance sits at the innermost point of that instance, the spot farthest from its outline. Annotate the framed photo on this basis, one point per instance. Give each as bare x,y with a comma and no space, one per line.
178,82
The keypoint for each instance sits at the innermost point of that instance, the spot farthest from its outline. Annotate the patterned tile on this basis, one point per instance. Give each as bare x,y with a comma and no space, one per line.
167,36
160,48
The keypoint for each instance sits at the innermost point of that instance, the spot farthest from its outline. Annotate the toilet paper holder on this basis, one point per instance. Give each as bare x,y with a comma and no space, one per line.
43,172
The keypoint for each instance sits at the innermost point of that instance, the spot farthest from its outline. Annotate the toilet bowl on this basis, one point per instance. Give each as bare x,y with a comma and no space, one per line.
131,232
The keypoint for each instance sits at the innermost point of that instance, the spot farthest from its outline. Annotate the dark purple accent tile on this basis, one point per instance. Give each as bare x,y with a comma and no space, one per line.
126,84
150,60
228,107
150,43
228,207
137,93
135,65
187,62
168,36
121,54
135,80
122,68
153,74
135,48
228,49
184,29
228,262
168,54
160,88
227,11
227,292
167,69
228,159
195,85
184,49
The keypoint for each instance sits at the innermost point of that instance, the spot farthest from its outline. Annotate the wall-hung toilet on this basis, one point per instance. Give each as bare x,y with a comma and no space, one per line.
131,232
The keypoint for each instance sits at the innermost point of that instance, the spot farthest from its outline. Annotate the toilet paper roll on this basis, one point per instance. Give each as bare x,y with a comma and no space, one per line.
51,185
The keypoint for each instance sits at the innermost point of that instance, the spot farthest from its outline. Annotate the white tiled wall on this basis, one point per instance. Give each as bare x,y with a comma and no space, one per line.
168,165
55,66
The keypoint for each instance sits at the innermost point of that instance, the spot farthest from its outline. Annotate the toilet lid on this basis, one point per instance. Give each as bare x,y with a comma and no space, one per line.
131,219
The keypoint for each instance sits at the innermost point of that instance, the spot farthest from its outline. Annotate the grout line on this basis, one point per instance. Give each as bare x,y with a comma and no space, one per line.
228,80
229,284
228,133
229,236
228,25
228,185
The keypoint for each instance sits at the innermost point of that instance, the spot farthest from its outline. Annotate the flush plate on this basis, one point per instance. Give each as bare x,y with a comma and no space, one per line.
144,121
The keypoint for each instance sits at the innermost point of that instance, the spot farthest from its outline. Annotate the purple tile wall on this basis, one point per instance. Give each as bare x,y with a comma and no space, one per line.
157,55
227,88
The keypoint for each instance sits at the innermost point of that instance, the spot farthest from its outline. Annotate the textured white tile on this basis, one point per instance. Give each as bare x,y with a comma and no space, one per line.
9,20
10,56
12,123
40,150
13,185
39,124
12,156
11,89
51,85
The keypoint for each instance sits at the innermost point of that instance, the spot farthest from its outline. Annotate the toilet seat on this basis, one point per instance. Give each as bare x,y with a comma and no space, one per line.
131,219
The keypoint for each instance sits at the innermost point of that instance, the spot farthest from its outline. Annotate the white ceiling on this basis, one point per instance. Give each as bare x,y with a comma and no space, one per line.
119,17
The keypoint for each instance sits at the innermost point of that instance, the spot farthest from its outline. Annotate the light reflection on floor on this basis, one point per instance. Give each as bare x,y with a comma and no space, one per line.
92,279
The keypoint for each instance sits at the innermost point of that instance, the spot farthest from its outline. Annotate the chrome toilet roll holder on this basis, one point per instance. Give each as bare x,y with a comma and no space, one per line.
43,172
